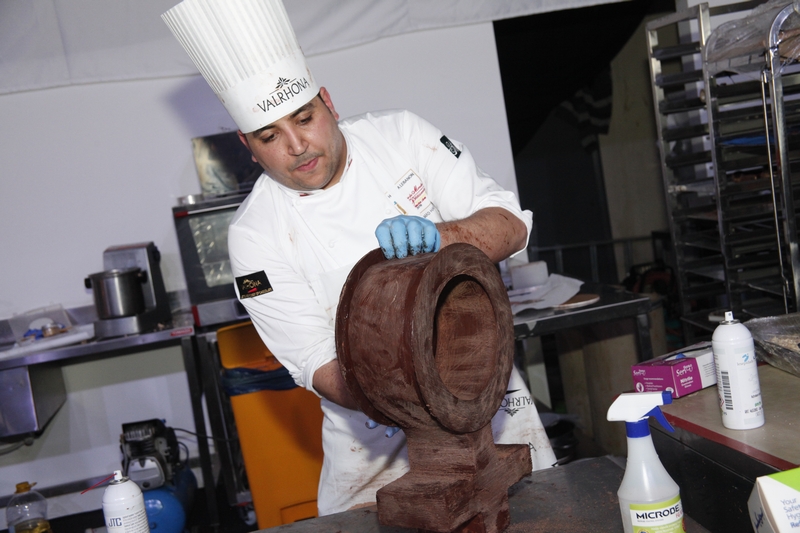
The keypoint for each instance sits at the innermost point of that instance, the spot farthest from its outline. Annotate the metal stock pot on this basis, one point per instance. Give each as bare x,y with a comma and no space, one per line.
117,292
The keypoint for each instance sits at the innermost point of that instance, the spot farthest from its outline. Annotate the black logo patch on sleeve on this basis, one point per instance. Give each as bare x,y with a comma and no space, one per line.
450,146
253,285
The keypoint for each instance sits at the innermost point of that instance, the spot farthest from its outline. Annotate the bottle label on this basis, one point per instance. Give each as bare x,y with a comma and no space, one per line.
738,389
658,517
133,522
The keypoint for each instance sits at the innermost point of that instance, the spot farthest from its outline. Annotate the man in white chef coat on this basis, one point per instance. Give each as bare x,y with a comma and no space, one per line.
332,191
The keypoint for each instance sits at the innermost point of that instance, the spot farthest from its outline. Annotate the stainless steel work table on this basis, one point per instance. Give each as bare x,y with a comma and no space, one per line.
614,304
180,332
95,349
579,496
713,464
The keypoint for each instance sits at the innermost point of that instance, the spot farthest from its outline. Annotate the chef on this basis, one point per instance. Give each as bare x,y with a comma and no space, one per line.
332,191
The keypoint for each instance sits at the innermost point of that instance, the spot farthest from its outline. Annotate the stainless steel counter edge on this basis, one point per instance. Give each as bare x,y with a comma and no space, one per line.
101,347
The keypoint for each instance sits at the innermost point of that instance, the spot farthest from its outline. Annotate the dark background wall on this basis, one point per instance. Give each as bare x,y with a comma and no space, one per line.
555,69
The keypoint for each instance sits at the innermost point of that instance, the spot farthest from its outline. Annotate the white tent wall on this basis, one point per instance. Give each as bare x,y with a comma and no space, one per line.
48,43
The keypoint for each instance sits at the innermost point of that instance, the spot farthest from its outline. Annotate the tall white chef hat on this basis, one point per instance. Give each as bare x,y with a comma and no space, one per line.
248,53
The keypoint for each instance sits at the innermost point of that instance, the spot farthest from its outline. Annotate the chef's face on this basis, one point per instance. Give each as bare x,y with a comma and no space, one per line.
305,150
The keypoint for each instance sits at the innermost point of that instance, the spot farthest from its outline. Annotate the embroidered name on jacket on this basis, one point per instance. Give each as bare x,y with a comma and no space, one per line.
412,195
253,285
450,146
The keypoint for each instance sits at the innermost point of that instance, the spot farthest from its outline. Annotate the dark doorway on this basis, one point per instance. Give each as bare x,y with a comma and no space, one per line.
555,70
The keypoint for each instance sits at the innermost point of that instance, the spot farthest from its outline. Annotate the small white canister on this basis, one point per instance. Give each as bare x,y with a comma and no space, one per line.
737,375
123,506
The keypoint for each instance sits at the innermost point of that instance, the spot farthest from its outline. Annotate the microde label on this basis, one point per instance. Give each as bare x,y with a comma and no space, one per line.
664,516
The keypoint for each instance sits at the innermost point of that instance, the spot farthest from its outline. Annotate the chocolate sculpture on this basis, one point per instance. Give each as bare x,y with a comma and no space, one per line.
426,343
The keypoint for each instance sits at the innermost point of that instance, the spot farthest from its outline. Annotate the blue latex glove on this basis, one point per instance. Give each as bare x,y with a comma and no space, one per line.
404,234
390,430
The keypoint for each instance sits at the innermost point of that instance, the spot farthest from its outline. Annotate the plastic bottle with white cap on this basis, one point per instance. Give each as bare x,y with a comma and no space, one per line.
649,499
738,385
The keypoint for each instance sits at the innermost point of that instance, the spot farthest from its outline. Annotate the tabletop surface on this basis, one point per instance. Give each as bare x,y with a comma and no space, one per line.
579,497
774,443
614,303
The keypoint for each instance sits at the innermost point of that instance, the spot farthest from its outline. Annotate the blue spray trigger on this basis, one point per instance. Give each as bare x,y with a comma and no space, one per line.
656,412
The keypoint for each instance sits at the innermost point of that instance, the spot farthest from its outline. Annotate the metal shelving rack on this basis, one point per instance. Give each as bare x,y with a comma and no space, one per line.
728,190
677,77
753,85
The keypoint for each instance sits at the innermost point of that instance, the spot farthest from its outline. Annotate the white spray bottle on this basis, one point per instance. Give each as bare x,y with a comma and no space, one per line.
648,497
737,375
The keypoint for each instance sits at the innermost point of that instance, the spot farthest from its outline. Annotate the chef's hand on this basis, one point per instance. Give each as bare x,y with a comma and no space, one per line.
390,430
404,234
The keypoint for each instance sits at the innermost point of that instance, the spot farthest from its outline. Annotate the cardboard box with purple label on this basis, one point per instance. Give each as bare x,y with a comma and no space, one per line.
681,372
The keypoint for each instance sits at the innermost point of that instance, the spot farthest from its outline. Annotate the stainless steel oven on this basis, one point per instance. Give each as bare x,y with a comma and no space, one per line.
201,223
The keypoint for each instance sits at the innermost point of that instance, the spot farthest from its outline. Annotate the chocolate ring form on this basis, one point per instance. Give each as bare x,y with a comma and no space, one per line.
434,332
426,343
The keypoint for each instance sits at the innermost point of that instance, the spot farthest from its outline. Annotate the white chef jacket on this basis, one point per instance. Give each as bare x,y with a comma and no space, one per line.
297,248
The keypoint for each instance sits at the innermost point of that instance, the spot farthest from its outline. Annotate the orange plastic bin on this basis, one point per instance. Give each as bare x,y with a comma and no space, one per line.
280,432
